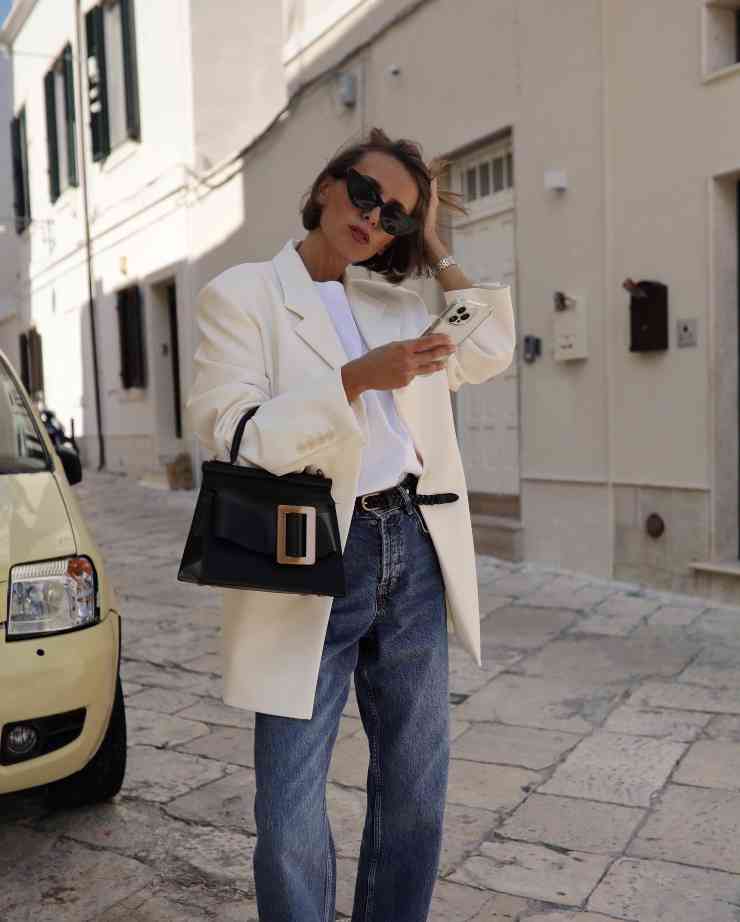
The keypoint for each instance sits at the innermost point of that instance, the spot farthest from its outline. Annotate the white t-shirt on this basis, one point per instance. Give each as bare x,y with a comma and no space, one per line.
389,454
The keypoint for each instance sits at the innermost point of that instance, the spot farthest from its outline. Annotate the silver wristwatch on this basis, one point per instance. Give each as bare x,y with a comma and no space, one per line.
443,264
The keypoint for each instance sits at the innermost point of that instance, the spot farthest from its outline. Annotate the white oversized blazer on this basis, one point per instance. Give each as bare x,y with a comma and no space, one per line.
266,338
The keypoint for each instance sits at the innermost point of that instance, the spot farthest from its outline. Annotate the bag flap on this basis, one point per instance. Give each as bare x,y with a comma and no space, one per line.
252,524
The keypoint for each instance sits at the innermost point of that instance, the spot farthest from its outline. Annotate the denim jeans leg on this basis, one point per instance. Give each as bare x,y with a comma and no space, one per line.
402,691
294,864
294,860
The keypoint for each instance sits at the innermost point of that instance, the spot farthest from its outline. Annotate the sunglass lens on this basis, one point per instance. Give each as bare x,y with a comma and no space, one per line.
361,193
397,223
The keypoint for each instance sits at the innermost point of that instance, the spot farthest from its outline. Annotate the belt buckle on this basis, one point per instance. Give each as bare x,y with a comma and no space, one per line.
363,498
281,550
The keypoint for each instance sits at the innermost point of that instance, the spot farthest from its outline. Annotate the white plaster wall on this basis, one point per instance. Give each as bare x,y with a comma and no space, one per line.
238,77
149,258
137,210
9,251
136,174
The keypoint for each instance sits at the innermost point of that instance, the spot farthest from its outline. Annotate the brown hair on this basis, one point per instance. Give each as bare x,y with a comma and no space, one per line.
405,255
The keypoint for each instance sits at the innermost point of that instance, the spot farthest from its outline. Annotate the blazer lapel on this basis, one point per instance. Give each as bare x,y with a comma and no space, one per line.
377,322
301,297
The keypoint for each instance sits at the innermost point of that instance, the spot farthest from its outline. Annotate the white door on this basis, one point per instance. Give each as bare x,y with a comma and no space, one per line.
487,415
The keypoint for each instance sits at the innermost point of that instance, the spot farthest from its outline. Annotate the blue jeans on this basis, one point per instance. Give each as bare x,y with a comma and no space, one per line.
391,632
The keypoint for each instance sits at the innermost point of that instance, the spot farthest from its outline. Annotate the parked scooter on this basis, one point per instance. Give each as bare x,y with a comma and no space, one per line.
56,431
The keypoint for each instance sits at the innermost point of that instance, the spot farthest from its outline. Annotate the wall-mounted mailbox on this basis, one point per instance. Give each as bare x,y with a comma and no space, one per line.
648,315
570,338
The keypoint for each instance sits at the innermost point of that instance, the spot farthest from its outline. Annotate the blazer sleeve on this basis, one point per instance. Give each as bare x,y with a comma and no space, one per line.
490,349
231,376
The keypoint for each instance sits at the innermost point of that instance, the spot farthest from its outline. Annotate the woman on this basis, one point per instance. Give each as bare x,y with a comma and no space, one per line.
345,383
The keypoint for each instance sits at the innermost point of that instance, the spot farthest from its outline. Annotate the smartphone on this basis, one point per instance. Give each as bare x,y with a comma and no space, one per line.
460,319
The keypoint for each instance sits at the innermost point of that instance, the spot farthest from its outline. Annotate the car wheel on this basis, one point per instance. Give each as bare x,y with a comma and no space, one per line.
102,777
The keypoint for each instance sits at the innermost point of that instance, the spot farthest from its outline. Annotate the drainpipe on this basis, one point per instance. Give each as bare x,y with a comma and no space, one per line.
88,241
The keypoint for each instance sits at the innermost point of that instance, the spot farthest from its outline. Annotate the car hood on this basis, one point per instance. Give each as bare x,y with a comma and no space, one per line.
34,524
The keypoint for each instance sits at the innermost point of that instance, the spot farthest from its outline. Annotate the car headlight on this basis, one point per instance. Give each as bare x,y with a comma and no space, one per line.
51,597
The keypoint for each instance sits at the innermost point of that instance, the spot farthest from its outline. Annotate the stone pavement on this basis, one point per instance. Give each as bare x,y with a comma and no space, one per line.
595,772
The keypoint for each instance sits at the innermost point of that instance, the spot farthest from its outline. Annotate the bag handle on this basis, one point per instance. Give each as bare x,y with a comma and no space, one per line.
239,432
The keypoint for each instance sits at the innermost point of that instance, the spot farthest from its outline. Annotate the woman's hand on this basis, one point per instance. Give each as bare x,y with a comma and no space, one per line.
396,364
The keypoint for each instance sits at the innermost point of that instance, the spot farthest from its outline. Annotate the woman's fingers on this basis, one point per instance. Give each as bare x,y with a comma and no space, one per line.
432,341
430,368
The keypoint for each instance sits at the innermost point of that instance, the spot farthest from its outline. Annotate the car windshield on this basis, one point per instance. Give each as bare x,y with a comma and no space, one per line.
21,448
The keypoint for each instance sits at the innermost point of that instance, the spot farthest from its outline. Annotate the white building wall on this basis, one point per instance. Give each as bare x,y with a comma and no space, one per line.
138,221
9,254
238,76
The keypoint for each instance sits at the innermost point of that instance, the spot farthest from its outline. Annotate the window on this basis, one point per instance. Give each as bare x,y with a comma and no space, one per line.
60,125
112,76
32,363
21,447
131,338
488,177
19,147
722,34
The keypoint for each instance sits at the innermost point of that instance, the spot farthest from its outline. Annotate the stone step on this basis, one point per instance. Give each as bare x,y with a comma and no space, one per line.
718,580
498,536
154,478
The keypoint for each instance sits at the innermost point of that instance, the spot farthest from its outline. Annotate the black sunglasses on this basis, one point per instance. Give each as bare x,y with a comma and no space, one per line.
363,193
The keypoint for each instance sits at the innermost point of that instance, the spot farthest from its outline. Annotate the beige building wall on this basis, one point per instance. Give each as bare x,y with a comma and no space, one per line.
663,191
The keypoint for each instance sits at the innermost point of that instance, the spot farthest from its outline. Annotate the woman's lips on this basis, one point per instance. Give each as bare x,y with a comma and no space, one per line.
359,235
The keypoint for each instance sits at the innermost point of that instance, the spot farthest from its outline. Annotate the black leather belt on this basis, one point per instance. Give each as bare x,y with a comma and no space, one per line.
399,495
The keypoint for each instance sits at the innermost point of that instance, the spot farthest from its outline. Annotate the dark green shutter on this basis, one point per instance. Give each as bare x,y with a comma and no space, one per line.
15,149
51,135
136,338
131,338
25,371
36,361
121,310
97,83
21,204
133,121
69,115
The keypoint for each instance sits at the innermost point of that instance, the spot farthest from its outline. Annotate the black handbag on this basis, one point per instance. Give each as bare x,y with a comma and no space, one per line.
254,530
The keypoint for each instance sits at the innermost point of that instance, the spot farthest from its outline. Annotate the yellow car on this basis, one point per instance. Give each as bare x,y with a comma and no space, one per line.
62,719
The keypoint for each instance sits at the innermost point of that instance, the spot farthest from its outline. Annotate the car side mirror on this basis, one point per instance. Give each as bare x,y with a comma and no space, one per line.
71,463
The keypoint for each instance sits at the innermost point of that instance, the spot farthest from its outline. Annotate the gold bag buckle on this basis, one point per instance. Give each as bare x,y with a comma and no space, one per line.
282,555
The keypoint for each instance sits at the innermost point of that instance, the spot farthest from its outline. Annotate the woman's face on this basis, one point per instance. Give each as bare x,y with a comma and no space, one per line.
358,236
